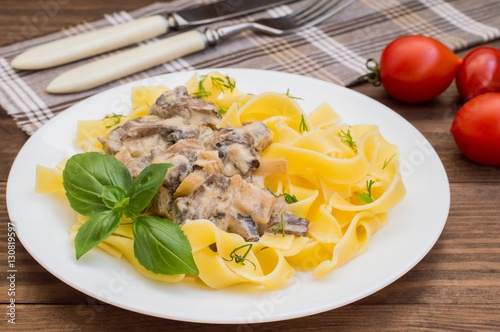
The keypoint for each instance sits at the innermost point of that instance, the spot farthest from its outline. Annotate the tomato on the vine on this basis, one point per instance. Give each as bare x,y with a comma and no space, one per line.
476,129
417,68
479,72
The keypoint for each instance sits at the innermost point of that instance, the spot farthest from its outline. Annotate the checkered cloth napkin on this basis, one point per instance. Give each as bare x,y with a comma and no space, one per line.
334,51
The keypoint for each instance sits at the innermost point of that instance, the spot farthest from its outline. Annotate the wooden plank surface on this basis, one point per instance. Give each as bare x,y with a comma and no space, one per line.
455,287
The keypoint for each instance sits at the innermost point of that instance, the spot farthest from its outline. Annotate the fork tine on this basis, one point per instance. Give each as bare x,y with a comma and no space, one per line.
303,18
318,16
304,9
307,10
306,17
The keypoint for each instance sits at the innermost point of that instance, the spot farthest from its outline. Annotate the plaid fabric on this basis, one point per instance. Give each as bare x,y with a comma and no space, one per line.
335,51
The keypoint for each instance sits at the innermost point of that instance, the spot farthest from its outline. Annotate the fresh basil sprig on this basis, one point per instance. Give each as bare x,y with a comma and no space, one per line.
159,248
95,230
85,177
100,187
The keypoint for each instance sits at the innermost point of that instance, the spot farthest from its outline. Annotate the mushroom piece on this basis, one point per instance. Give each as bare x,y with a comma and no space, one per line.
232,204
261,136
177,102
235,149
292,224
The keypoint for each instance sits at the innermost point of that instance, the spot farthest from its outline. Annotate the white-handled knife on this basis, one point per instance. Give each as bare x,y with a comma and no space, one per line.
99,72
103,40
129,62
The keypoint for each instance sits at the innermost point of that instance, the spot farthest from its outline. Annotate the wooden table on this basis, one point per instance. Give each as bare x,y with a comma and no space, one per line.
455,287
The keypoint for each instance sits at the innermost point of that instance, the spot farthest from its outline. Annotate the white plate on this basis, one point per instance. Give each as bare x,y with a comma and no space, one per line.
415,224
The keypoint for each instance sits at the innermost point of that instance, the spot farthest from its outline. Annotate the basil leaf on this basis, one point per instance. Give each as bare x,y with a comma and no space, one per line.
84,177
145,186
114,197
95,230
161,246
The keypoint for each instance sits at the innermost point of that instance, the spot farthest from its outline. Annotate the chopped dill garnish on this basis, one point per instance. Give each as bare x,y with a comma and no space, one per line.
201,93
288,198
386,162
367,197
303,125
280,226
222,109
347,139
240,259
231,85
290,96
116,117
220,84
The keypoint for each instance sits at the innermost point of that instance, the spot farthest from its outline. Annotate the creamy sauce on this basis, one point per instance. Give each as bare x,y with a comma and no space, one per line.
211,177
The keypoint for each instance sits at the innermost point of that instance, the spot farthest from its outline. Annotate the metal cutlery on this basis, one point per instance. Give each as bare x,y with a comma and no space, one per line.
107,39
114,67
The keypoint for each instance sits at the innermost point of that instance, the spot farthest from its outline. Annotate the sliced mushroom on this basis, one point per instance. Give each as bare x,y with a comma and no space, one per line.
178,103
261,136
291,223
245,227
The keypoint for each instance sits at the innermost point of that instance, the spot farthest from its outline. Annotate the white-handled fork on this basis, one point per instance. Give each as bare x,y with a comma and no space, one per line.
138,59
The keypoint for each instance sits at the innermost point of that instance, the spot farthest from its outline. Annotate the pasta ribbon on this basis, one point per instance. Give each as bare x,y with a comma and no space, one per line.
268,266
389,199
310,256
231,117
324,142
306,198
286,134
271,104
324,116
146,95
352,244
48,180
336,170
323,225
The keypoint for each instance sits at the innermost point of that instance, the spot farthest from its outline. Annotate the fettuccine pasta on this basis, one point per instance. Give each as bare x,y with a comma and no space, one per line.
345,179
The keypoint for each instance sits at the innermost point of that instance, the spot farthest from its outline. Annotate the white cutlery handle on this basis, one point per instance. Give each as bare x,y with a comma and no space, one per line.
129,62
91,43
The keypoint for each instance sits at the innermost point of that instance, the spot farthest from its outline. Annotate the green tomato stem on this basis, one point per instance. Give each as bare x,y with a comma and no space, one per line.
373,76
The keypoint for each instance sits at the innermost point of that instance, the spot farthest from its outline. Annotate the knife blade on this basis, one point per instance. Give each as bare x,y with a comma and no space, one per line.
82,46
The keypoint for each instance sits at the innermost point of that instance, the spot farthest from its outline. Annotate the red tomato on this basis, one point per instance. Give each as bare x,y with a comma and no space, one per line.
417,68
476,129
479,72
